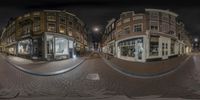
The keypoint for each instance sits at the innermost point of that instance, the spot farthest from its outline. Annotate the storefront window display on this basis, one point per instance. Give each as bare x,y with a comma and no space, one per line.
128,47
154,41
61,46
11,50
140,48
24,46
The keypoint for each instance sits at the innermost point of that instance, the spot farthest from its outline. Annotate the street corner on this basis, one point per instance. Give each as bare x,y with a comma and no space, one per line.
153,69
44,68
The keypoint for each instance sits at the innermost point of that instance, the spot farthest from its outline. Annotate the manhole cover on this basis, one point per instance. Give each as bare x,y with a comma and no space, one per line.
94,76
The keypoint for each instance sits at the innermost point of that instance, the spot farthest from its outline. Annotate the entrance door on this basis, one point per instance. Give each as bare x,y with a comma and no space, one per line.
165,47
49,44
35,49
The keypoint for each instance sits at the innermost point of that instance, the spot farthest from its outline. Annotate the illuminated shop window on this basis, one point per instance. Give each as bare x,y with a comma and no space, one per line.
61,46
128,47
154,46
24,47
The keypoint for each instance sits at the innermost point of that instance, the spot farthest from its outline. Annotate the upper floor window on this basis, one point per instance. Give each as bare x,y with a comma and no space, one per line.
51,18
137,17
51,27
62,28
127,30
36,24
36,13
62,19
154,15
154,25
26,29
165,17
137,28
126,20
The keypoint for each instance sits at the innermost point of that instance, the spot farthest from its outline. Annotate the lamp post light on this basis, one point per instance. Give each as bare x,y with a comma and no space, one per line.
96,29
196,40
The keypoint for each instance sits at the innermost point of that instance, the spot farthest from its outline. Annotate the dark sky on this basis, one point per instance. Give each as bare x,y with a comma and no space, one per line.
97,13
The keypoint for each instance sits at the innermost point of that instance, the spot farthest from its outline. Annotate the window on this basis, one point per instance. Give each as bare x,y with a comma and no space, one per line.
50,44
36,24
51,18
127,30
61,46
70,32
154,15
128,47
165,17
51,27
137,28
172,46
36,13
62,19
126,20
62,28
154,46
165,27
137,17
26,29
154,25
24,47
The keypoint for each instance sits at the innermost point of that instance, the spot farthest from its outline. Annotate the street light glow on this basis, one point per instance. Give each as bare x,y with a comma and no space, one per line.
96,29
196,40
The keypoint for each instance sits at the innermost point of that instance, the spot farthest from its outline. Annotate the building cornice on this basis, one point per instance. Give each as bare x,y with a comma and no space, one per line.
163,11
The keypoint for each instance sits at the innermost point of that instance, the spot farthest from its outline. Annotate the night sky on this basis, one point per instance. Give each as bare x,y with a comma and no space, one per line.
97,13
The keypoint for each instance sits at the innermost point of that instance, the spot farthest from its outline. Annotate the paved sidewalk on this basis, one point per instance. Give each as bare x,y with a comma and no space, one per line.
45,68
148,68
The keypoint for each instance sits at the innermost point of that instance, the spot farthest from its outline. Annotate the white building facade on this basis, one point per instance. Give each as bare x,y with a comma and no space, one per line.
148,36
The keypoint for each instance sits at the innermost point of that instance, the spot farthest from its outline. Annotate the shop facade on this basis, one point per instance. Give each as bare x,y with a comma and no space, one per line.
145,48
58,46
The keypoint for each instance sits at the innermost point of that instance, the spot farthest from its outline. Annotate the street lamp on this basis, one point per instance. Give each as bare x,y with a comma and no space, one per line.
96,29
196,40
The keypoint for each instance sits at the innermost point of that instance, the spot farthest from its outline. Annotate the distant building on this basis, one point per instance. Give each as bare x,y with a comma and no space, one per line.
147,36
46,34
108,38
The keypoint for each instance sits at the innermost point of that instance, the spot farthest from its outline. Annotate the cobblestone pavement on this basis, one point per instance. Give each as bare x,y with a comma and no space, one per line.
94,79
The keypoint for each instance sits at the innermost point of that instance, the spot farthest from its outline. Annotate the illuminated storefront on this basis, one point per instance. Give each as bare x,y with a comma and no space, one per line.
131,49
24,47
58,47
